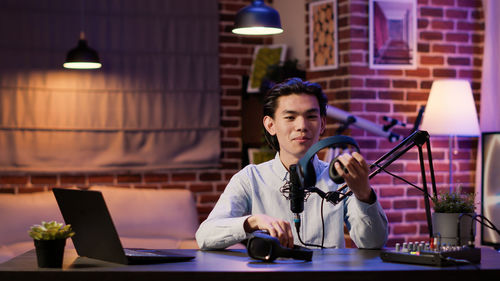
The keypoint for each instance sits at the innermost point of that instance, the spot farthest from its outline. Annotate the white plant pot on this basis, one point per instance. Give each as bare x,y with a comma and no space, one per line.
446,225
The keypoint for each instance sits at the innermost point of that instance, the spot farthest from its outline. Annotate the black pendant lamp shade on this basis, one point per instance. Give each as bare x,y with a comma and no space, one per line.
82,57
257,19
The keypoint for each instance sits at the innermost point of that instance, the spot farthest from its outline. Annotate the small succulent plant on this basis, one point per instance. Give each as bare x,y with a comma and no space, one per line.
454,202
50,231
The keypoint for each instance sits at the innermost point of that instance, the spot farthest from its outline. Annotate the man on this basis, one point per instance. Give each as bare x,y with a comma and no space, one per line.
255,198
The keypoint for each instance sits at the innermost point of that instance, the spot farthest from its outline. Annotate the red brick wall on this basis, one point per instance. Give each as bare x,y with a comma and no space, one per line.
450,45
450,38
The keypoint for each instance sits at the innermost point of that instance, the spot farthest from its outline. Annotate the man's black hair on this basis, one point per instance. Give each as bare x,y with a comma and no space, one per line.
288,87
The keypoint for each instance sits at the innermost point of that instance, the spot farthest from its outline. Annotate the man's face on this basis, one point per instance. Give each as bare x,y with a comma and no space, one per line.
297,123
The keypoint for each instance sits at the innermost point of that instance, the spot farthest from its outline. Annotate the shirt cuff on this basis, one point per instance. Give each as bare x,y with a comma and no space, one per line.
239,232
364,206
372,199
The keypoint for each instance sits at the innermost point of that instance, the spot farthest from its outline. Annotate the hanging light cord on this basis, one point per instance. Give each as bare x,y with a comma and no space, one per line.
82,20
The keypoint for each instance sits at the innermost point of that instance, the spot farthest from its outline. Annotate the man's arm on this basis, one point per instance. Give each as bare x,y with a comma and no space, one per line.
275,227
225,224
231,220
365,217
367,223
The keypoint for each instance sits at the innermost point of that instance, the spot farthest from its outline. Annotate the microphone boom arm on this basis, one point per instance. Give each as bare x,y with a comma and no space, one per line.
418,138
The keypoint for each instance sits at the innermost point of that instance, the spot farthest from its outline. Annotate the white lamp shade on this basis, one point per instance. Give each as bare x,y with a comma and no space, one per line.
451,110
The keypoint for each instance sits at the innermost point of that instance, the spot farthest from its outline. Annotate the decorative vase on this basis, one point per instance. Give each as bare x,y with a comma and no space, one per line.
49,253
446,225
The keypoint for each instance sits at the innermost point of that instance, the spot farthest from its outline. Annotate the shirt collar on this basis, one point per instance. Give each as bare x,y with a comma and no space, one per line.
282,172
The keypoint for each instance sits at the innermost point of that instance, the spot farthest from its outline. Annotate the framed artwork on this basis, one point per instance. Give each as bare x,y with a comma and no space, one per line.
323,42
393,34
263,57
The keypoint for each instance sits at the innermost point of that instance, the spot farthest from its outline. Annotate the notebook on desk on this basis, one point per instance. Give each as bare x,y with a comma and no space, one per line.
95,233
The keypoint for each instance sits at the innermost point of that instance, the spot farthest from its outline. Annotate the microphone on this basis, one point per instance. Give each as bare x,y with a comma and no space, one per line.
359,122
297,193
297,196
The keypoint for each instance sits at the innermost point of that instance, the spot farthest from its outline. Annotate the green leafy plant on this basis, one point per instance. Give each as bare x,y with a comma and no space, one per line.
279,72
454,202
50,231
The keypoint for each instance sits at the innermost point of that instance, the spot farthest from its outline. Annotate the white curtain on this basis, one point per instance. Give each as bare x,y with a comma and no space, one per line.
153,105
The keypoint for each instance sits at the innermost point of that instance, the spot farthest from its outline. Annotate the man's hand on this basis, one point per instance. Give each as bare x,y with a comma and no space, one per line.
356,176
277,228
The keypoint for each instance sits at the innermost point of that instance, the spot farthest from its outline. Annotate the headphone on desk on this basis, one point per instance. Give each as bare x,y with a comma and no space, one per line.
306,173
264,247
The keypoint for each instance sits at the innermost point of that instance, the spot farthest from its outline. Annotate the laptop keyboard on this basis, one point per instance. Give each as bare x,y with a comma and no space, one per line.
141,256
141,253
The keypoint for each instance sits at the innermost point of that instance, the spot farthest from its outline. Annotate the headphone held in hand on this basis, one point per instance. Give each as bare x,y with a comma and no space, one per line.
306,173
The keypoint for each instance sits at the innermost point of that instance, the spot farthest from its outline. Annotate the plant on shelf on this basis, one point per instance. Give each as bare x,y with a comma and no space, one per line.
454,202
50,231
277,73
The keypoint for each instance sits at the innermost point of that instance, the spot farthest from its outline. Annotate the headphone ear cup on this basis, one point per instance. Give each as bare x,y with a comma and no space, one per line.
334,175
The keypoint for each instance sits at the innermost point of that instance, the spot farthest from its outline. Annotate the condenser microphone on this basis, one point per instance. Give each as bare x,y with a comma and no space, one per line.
297,193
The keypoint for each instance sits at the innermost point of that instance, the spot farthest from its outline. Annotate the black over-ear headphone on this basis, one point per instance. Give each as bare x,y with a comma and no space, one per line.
306,173
264,247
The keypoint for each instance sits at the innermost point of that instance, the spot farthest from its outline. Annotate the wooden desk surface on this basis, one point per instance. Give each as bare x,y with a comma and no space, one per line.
330,264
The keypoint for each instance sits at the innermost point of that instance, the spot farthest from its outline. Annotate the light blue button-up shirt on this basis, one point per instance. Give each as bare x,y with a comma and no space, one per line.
256,190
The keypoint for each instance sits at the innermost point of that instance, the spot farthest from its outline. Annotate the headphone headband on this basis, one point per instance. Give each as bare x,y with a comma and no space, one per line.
306,174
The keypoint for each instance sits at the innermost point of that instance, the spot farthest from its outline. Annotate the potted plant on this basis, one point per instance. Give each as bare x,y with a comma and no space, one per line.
50,240
453,211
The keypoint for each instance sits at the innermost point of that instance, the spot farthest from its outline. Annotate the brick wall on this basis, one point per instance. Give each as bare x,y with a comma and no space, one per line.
450,38
450,45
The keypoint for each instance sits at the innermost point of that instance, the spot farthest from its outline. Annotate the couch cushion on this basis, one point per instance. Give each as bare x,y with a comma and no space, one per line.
9,251
151,213
20,211
144,218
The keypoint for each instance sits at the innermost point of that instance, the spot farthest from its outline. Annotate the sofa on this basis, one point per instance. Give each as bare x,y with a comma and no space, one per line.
147,218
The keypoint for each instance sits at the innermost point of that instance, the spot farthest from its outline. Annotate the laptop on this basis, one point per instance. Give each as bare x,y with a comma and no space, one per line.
95,233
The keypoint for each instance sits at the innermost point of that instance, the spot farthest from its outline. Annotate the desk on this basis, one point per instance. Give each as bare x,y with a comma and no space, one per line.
329,264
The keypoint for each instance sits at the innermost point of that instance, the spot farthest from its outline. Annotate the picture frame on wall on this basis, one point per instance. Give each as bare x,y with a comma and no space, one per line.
392,34
323,35
263,57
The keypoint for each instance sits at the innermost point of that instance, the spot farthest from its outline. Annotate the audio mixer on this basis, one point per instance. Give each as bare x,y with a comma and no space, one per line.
425,255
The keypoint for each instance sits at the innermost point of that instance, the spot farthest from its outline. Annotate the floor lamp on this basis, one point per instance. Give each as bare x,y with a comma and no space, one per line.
451,111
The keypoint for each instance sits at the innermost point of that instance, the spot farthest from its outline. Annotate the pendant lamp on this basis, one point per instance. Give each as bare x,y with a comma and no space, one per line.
257,19
82,57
